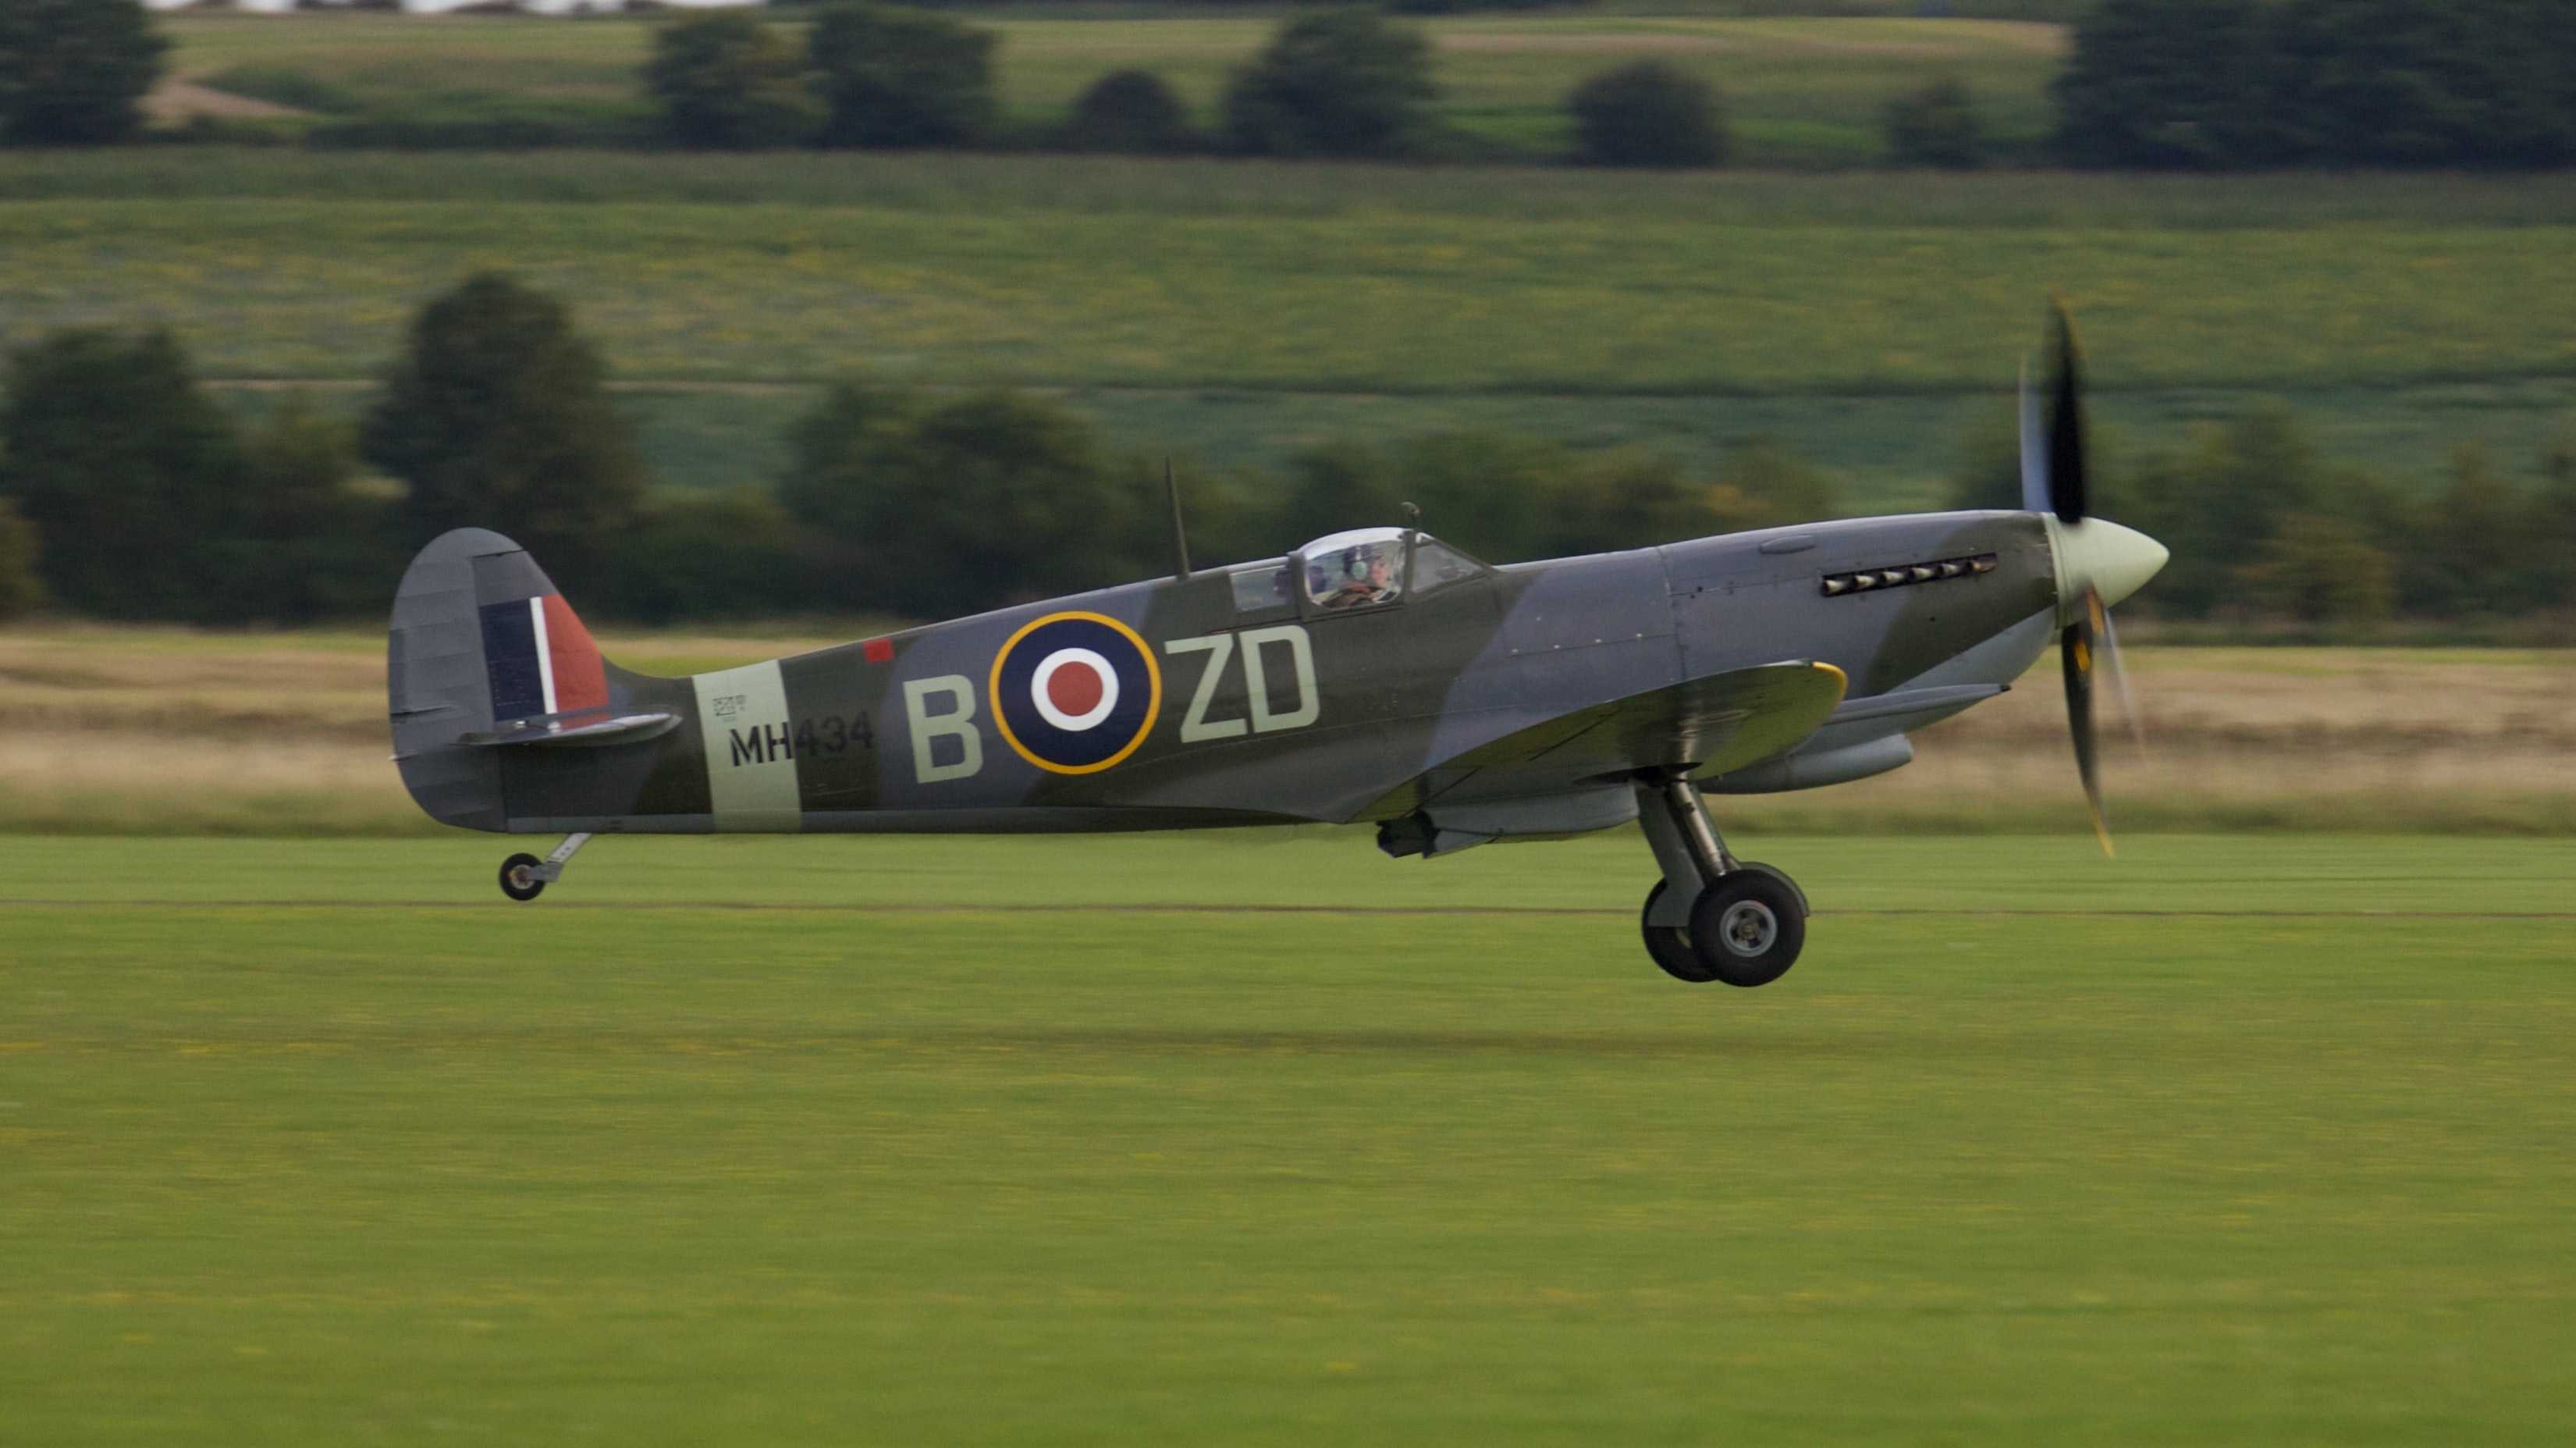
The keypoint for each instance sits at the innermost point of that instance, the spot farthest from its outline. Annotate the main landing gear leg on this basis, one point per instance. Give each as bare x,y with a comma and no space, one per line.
525,877
1712,916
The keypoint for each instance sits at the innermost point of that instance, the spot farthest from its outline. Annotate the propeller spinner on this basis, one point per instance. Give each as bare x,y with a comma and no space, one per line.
2098,561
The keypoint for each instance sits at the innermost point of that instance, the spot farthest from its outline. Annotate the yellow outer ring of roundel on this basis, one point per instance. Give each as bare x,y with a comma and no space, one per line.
1153,693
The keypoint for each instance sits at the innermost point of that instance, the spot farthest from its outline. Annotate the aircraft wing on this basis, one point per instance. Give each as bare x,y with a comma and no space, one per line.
1713,724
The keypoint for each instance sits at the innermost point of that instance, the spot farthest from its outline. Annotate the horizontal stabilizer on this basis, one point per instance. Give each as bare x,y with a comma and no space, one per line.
624,729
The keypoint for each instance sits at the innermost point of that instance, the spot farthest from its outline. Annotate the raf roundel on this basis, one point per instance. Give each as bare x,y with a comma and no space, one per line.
1075,693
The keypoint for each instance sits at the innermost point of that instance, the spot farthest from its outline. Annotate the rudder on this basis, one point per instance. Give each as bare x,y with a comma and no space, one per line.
481,641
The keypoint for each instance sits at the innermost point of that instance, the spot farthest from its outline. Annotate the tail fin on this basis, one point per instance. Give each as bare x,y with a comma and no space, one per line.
482,647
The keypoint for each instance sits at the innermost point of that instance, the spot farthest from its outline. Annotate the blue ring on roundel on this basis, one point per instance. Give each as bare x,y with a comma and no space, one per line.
1128,719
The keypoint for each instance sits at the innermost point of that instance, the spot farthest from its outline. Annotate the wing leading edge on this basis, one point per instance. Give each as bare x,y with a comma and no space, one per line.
1709,725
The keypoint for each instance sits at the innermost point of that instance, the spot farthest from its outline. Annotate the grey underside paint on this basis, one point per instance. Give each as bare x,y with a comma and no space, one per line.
1046,819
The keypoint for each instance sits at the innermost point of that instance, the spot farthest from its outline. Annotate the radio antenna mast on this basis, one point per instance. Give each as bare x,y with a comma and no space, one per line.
1180,533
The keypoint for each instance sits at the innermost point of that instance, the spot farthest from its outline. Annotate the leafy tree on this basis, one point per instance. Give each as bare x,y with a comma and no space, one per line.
496,416
2411,83
2318,569
1231,517
72,72
731,554
2216,504
1487,492
1635,498
1340,484
846,450
305,544
2336,82
2552,526
1762,484
1936,125
1988,471
965,504
2166,83
1454,7
902,78
155,505
1647,114
1333,83
1129,111
2471,548
1628,497
21,586
125,467
726,80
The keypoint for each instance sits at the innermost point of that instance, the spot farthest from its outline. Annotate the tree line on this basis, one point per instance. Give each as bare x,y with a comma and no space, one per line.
1330,83
2239,84
2217,84
128,492
2264,526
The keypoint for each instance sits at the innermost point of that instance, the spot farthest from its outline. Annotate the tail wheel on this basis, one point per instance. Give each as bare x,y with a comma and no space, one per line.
1747,928
1670,945
519,877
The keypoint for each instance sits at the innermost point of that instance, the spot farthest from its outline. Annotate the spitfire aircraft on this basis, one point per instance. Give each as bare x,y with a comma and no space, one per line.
1376,675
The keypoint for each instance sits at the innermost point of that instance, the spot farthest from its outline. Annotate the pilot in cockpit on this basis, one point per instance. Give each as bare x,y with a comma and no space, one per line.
1368,577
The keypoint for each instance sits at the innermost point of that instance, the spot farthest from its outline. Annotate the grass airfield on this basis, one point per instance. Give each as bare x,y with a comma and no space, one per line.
1264,1138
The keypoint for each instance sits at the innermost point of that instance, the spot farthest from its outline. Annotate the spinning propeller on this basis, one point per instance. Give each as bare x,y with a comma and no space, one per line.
2098,561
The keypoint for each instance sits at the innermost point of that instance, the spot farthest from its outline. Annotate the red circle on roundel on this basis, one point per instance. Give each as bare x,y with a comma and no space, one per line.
1074,687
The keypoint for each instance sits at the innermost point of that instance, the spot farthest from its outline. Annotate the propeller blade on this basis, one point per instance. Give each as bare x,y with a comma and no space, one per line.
2075,647
2066,450
2034,449
2119,672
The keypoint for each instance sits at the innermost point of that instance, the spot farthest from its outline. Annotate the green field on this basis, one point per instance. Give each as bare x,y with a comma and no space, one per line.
1885,454
1379,304
1800,91
995,185
1056,1142
1241,312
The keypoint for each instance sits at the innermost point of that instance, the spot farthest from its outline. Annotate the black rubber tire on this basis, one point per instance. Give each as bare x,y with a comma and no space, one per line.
1753,946
1670,945
531,887
1782,876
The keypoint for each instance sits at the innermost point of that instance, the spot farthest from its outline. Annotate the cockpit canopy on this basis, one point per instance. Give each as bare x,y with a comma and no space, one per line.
1367,567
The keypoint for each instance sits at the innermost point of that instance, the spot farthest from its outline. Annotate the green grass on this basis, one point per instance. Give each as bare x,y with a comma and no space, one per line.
1243,336
1269,307
420,68
1885,454
960,184
1240,312
1413,304
405,1162
1801,91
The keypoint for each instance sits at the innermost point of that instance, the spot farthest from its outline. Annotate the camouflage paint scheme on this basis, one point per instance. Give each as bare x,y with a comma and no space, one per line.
1519,701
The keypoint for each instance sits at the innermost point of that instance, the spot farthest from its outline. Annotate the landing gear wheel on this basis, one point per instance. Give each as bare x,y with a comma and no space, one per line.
1776,873
519,877
1670,945
1747,927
